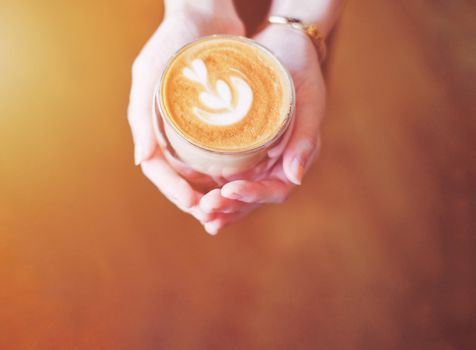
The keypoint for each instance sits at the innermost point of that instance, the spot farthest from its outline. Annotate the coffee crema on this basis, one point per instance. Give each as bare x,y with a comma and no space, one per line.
226,94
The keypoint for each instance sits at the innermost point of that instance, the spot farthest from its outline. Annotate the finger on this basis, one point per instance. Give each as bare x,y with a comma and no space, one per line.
146,72
140,112
304,139
199,214
201,182
266,191
175,188
214,202
213,227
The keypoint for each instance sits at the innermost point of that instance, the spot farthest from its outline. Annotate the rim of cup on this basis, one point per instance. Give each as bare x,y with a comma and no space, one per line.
159,103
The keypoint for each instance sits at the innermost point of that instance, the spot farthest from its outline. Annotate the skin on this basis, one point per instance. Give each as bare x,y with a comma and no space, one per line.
225,204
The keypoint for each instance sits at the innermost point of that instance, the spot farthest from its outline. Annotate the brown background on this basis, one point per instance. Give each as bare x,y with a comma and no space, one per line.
375,251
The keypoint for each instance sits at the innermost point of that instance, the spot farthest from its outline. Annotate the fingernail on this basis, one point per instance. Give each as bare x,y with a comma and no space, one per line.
199,215
211,228
140,152
298,170
235,195
224,210
231,195
227,210
299,163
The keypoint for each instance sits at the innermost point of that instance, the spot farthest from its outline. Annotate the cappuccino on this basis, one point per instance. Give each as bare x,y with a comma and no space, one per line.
224,100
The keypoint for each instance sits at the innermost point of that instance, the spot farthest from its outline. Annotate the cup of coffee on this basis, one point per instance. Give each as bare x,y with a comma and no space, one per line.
224,101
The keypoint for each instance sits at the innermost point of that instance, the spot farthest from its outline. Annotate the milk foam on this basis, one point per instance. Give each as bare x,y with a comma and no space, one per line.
226,94
219,101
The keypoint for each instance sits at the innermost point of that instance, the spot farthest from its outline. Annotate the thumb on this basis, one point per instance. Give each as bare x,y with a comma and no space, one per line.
304,142
140,116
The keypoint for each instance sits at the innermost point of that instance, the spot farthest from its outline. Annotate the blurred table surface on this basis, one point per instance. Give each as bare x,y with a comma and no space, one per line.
376,250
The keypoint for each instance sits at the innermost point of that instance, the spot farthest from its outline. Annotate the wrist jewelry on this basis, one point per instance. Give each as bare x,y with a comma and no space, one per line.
312,32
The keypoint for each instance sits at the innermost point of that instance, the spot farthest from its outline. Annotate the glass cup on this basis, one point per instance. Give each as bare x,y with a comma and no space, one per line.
213,162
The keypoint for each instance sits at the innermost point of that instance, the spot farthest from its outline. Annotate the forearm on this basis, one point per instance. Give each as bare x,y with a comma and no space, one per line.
211,7
322,13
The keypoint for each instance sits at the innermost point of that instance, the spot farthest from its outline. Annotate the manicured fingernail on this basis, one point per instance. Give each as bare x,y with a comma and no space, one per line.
298,170
209,209
299,163
234,195
138,153
227,210
231,194
199,215
211,228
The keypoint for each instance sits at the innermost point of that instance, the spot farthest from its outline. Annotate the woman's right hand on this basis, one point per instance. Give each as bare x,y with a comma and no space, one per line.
184,22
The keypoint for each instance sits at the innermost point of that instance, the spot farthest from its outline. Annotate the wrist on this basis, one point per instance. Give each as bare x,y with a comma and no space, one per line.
297,29
297,39
321,13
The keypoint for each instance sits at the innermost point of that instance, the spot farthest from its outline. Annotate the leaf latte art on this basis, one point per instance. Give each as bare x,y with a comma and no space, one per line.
226,94
219,100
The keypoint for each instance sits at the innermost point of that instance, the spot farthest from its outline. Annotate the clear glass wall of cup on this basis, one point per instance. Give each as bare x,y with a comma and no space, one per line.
215,162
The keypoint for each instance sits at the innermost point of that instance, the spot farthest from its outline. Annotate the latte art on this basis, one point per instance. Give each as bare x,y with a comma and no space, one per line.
226,94
219,100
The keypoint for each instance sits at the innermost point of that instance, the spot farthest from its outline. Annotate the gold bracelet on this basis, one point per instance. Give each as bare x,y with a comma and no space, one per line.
312,32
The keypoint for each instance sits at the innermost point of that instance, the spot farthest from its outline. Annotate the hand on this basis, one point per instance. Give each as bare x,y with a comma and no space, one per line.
184,22
297,53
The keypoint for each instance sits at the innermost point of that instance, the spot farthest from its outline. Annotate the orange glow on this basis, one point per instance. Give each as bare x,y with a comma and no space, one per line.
374,251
